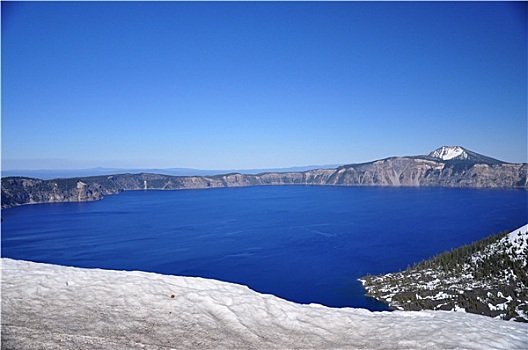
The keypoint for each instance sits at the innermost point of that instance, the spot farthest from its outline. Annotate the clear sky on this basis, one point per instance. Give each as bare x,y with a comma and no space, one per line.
259,84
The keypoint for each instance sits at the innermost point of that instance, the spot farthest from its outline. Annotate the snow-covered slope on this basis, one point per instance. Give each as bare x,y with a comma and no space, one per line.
449,152
55,307
489,277
517,242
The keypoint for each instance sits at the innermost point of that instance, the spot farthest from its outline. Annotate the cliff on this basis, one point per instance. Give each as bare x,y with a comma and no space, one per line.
476,172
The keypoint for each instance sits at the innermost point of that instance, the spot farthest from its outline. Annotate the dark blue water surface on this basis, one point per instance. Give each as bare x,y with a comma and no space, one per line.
302,243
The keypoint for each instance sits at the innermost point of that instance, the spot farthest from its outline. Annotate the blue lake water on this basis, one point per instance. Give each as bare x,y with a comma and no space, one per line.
302,243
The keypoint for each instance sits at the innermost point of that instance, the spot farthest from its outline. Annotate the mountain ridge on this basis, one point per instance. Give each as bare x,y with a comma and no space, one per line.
50,174
415,171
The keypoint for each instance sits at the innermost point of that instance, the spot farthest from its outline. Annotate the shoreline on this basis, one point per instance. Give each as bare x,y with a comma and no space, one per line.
266,185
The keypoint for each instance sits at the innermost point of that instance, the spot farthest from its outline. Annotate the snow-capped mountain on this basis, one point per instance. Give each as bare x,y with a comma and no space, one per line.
447,153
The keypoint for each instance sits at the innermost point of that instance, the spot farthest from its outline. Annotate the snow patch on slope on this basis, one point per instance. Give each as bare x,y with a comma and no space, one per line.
63,307
449,152
518,240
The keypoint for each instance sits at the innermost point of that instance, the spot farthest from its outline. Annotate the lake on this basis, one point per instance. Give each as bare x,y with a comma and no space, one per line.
307,244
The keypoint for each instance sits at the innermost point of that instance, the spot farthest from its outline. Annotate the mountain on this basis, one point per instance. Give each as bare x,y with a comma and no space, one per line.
460,153
475,171
57,307
488,277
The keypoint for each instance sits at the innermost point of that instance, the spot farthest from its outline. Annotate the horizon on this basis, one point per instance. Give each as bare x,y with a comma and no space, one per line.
48,174
259,85
56,170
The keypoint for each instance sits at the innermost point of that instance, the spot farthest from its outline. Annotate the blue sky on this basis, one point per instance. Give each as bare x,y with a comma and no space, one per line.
259,84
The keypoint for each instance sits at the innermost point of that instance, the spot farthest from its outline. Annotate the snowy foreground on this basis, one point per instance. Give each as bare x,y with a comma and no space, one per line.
55,307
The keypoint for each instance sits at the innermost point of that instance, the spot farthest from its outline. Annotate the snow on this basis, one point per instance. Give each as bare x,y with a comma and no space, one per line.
499,307
459,309
449,152
519,239
57,307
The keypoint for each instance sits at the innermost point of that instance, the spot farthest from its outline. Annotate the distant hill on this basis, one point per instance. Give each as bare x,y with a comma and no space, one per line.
488,277
436,169
48,174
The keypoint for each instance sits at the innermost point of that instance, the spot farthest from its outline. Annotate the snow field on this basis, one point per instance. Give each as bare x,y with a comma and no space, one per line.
56,307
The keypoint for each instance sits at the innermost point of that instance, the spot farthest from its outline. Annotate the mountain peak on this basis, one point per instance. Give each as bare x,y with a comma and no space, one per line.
449,152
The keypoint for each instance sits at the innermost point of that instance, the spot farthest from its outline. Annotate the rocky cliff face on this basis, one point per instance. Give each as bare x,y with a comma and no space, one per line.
410,171
480,172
